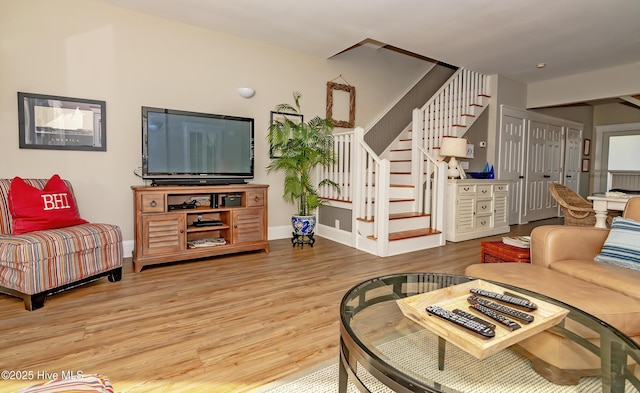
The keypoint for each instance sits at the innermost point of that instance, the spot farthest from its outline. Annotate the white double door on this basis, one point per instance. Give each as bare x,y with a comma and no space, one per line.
531,156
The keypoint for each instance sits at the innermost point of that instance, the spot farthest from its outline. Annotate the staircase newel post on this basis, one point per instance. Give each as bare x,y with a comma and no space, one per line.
382,208
438,200
417,163
357,179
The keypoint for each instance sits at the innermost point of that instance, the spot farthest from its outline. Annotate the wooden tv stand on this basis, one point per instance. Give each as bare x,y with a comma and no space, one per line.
166,222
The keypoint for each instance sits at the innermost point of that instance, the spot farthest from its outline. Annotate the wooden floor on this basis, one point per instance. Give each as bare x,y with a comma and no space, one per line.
228,324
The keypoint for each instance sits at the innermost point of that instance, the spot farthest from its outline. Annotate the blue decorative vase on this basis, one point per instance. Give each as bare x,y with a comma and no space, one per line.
303,225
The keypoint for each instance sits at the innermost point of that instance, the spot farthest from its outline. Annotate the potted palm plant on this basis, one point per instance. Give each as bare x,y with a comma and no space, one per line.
302,147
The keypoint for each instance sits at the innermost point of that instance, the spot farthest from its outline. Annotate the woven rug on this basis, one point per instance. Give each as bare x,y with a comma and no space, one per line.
505,372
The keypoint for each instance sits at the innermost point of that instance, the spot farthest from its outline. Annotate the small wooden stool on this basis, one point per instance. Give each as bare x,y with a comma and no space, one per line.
499,252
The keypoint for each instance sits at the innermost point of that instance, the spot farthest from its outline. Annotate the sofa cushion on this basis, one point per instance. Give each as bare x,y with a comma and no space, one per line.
37,261
42,245
614,277
613,307
622,247
33,209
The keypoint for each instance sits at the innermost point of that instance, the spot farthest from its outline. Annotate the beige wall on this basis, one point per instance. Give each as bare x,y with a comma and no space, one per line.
615,114
84,49
504,91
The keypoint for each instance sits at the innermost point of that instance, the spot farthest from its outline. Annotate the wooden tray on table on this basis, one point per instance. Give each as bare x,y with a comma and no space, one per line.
449,298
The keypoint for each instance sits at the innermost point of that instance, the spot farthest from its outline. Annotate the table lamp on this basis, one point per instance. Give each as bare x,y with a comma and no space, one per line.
453,147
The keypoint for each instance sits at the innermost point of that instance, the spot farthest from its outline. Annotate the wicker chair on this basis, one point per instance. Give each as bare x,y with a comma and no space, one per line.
577,210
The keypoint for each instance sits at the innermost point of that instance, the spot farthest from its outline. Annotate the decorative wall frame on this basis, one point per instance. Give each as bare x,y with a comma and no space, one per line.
61,123
282,117
351,90
585,165
586,147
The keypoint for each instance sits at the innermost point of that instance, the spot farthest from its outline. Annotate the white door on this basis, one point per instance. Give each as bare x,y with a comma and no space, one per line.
544,154
535,172
511,161
572,159
554,168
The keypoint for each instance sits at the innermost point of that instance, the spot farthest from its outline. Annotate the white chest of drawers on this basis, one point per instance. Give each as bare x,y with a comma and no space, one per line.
476,208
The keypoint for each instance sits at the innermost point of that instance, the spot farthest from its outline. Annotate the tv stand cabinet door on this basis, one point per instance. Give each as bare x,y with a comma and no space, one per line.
249,226
163,234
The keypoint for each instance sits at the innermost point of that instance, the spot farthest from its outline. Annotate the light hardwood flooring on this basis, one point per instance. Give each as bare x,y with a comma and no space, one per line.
227,324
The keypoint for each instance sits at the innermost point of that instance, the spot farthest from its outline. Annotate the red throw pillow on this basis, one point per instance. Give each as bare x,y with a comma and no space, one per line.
34,210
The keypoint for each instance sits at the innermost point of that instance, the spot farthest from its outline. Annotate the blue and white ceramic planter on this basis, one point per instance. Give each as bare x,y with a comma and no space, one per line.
303,225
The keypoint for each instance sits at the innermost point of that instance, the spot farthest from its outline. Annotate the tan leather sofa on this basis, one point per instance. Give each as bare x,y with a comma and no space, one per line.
562,267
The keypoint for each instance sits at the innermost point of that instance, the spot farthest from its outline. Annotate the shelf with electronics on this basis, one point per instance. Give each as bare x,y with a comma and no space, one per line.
175,223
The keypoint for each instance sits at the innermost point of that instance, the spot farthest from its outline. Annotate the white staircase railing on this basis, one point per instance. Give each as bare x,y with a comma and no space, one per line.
364,181
371,190
430,174
342,172
364,177
446,113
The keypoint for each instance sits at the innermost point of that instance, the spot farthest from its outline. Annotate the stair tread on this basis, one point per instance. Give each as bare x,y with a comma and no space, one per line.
337,200
395,200
408,160
409,234
397,216
412,233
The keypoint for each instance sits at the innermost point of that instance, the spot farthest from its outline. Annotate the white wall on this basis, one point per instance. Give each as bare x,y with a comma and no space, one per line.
610,82
85,49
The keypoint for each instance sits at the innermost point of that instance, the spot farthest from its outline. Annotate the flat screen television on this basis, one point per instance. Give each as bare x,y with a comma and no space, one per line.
191,148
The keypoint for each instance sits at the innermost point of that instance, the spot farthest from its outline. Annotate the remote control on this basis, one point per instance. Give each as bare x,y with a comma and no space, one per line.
504,321
474,318
468,324
516,301
524,317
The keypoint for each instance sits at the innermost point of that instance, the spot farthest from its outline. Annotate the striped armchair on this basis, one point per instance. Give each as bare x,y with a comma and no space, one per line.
37,264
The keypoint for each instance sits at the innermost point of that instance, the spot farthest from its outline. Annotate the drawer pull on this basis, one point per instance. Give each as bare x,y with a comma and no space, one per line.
153,203
256,199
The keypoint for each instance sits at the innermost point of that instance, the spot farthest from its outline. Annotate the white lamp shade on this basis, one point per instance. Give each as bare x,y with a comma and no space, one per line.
453,147
246,92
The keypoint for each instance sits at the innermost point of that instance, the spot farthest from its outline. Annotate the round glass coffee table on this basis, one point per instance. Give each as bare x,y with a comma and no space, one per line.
382,350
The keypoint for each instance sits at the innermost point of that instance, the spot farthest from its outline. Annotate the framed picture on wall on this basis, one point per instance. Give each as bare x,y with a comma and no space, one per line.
350,92
61,123
585,165
586,147
280,119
